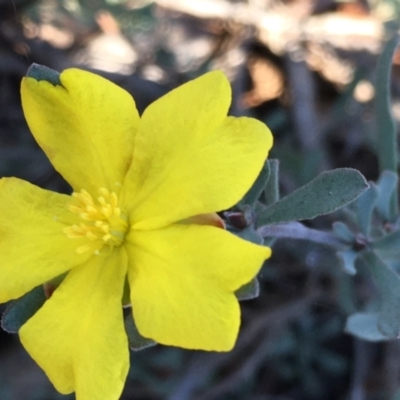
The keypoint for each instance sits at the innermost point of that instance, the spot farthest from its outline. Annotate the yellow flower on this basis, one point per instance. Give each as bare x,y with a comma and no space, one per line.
140,187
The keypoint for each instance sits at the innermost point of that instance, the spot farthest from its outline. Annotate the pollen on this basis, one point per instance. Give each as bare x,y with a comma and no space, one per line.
100,221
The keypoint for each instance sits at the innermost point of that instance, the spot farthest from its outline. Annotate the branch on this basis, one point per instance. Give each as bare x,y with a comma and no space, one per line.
296,230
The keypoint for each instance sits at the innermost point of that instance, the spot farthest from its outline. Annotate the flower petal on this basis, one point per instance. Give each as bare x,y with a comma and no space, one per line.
182,280
86,127
211,219
190,158
33,246
78,336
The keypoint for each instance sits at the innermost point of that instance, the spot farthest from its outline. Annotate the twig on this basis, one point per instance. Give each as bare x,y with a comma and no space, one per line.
296,230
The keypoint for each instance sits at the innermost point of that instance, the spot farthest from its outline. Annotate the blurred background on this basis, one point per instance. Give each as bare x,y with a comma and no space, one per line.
307,69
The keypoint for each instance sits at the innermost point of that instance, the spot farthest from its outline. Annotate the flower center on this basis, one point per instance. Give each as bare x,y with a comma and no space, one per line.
103,222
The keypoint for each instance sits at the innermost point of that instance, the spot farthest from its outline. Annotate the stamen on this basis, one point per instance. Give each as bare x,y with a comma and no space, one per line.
105,224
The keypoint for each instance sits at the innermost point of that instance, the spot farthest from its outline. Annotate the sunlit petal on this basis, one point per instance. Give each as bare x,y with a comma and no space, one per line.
86,127
78,336
182,280
211,219
190,158
33,246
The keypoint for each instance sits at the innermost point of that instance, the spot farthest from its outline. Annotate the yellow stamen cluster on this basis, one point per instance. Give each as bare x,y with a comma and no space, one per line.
104,222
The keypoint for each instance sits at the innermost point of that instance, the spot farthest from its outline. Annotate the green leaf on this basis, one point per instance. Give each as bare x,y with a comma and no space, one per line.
271,191
365,326
387,140
249,291
387,282
388,246
254,193
135,339
387,186
326,193
343,232
386,127
20,310
365,207
348,258
251,235
42,73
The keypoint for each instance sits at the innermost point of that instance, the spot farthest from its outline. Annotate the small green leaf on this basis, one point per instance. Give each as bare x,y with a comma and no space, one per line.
249,291
348,258
251,235
254,193
326,193
386,126
20,310
387,282
271,191
42,73
365,326
136,340
387,186
365,207
387,141
388,246
343,232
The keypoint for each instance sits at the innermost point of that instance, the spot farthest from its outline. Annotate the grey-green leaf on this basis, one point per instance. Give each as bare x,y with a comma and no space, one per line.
365,326
326,193
255,191
387,187
20,310
365,207
387,282
251,235
42,73
343,232
348,258
388,246
249,291
271,191
386,127
136,340
385,122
